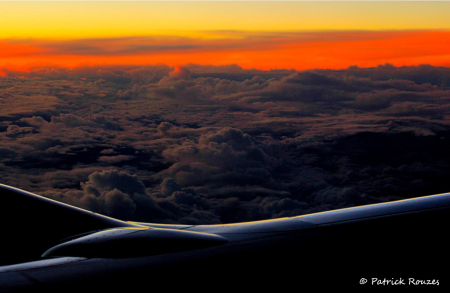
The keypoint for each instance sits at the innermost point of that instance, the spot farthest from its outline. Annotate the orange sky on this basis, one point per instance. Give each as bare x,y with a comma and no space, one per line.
333,50
262,35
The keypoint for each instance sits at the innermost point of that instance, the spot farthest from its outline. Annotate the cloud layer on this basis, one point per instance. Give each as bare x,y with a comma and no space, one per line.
223,144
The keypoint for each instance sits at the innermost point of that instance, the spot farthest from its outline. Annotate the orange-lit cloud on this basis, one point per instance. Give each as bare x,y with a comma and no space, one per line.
262,50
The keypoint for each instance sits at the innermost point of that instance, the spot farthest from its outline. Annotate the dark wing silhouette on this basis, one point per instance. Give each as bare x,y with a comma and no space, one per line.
47,245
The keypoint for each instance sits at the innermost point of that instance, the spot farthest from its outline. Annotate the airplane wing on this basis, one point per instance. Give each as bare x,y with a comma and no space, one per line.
50,246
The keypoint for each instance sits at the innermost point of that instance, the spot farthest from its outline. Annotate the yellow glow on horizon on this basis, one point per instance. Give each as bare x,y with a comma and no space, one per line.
75,20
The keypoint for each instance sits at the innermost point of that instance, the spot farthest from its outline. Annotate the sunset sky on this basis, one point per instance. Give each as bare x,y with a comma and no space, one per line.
254,34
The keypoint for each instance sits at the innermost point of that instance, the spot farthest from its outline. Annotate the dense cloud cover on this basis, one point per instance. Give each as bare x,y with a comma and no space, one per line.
222,144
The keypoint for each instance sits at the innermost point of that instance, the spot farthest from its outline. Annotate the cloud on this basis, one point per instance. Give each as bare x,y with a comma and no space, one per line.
16,104
113,179
224,144
169,186
114,159
224,156
114,193
180,73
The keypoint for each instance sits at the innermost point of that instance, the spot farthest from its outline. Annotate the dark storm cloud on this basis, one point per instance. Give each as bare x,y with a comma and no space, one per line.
223,144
